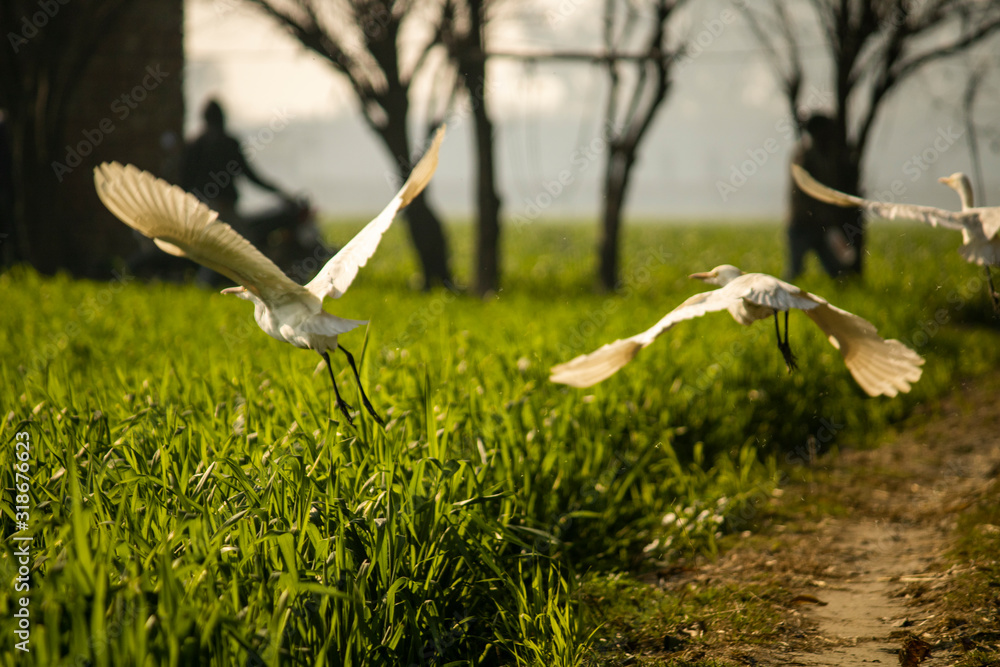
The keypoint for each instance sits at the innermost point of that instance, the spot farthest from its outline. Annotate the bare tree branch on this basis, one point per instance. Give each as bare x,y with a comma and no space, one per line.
363,46
911,65
787,68
897,69
624,135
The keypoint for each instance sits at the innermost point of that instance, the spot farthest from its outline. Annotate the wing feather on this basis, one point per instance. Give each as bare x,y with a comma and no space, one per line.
183,226
766,290
338,274
880,367
990,218
589,369
935,217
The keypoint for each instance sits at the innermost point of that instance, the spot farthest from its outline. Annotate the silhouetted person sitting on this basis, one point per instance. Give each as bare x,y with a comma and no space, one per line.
813,225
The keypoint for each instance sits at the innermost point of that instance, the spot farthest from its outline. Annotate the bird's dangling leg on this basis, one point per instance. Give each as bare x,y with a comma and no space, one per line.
993,293
341,403
786,350
364,399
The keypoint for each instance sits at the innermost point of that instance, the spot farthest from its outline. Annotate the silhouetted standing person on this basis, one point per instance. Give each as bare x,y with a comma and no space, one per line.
813,225
209,168
213,161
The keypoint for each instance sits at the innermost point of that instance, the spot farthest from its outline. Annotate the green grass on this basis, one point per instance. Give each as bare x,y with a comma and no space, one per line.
194,499
973,593
648,625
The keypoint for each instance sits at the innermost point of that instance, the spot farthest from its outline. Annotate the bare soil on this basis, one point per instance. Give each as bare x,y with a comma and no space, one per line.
861,543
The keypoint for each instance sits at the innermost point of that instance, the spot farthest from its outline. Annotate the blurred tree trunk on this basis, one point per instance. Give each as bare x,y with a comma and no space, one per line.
616,179
465,40
626,130
488,257
426,231
41,66
360,39
973,86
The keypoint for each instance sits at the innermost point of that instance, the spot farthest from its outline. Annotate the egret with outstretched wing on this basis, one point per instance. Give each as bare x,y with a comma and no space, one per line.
881,367
181,225
979,225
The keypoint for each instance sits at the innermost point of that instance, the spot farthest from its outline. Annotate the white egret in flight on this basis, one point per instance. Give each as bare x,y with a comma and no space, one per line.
181,225
979,226
879,366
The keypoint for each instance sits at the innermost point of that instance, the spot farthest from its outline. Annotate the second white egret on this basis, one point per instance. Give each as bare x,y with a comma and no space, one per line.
880,367
979,225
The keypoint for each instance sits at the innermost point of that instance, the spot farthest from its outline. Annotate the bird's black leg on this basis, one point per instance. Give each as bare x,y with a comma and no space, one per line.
993,293
364,399
341,403
786,350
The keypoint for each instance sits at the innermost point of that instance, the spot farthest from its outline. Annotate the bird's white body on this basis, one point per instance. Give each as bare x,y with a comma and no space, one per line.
977,247
978,225
181,225
302,323
881,367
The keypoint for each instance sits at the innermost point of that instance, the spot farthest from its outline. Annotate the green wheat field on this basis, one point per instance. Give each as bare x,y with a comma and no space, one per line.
196,499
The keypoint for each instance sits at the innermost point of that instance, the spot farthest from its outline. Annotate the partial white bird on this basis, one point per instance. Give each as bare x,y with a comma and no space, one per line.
181,225
979,225
881,367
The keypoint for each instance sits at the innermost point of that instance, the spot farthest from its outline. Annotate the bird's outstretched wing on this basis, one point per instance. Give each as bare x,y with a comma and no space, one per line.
589,369
881,367
338,274
935,217
183,226
990,218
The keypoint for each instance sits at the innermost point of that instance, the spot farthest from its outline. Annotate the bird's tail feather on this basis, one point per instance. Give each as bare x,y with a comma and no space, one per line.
330,325
983,254
885,367
880,367
602,363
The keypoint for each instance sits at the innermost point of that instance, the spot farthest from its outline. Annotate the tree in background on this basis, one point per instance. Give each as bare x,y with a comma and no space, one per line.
873,46
632,103
47,49
361,40
464,37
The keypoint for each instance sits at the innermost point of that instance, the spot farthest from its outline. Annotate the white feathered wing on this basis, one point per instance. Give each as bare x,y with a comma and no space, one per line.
880,367
338,274
589,369
183,226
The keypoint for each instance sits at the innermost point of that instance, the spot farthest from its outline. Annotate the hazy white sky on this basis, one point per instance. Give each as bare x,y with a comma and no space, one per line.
723,107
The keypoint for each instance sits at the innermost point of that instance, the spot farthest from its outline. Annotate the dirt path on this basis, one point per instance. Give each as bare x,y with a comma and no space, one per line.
861,615
865,579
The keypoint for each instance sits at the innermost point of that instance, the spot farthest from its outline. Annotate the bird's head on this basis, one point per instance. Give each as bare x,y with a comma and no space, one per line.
720,275
240,292
960,183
